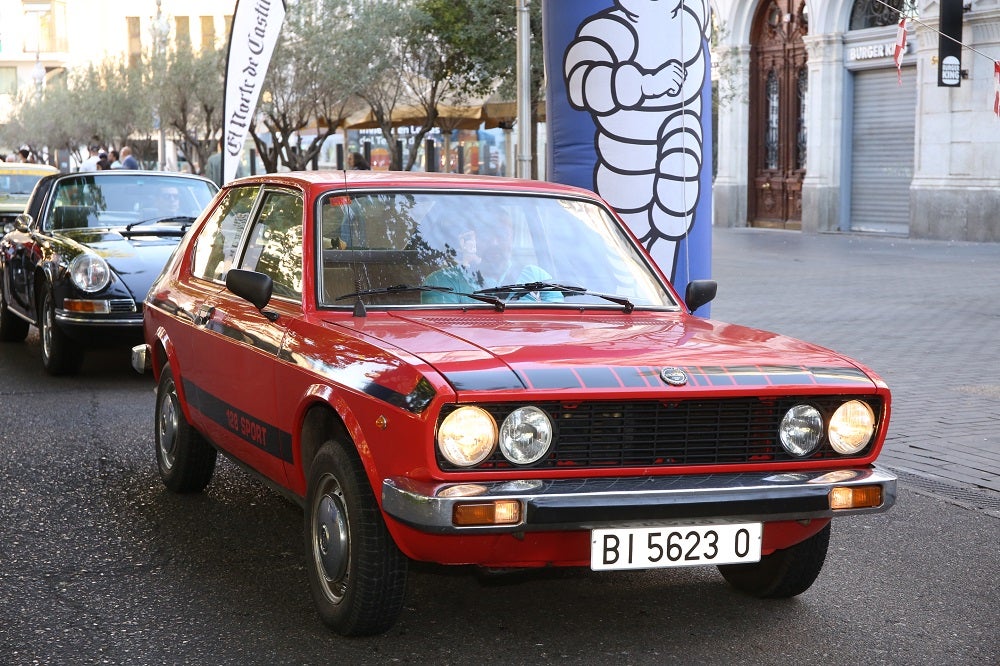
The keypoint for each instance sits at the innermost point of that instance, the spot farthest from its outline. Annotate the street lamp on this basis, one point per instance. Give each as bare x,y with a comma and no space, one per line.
161,30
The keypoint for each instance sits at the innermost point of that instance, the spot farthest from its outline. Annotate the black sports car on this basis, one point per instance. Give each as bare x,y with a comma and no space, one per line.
80,260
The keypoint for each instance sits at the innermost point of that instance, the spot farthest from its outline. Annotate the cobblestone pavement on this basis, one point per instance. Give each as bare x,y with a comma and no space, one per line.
923,314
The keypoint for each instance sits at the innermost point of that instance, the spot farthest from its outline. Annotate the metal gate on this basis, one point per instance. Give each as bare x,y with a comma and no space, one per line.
882,150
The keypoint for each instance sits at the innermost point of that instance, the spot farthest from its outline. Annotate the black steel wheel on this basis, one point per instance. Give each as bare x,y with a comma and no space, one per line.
783,573
12,328
61,355
185,460
357,575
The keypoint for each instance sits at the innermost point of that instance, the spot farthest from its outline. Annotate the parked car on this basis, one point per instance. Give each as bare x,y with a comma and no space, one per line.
16,182
474,370
78,263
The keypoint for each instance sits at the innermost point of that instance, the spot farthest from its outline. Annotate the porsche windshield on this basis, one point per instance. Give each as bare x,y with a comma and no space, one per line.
465,249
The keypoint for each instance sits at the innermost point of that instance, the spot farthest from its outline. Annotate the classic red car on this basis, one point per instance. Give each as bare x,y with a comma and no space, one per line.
474,370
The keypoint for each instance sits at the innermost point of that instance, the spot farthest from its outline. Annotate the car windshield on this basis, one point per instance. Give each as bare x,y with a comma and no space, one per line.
464,249
97,201
18,183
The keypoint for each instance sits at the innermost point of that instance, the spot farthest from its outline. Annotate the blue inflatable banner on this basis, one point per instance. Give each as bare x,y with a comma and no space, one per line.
629,115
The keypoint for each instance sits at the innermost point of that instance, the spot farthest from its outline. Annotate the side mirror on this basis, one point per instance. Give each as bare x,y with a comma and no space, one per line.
22,222
699,292
251,286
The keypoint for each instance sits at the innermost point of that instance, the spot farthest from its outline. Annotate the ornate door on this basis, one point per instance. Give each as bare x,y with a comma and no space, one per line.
777,142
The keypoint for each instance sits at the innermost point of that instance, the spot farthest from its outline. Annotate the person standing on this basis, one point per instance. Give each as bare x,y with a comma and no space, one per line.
115,161
213,166
358,161
90,164
128,160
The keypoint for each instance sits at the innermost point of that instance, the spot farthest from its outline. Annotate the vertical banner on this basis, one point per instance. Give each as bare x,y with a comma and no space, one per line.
256,24
629,113
950,44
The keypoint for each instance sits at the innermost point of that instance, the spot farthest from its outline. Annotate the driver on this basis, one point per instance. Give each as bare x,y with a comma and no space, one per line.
168,201
484,260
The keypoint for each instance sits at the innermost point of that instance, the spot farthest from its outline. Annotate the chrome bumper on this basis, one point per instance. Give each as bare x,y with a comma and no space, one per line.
584,504
141,359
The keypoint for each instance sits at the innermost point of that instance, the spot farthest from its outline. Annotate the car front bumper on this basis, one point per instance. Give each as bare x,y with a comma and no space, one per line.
584,504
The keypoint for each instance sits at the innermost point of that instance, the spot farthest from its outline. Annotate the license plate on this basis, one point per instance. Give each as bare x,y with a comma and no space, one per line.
674,546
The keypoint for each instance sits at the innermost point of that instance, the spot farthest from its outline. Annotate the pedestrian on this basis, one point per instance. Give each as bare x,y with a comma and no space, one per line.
103,163
128,160
90,164
213,166
25,153
115,161
358,161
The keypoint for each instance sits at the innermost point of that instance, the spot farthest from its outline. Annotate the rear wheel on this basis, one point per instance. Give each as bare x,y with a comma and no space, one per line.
185,460
357,575
60,354
12,328
783,573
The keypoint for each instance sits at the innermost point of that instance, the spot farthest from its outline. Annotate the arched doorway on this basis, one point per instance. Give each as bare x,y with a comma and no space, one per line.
777,141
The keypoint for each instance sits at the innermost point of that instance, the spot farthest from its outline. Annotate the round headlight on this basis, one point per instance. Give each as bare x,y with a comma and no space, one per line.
801,430
851,427
525,435
467,436
89,272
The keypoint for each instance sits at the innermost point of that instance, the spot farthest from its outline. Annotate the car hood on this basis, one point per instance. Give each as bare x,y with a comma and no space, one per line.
137,261
610,352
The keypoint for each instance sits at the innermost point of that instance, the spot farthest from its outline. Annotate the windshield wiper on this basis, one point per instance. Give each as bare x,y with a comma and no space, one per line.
522,289
497,304
185,221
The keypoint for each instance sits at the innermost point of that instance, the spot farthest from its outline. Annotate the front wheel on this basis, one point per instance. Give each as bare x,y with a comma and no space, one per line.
60,354
357,575
185,460
783,573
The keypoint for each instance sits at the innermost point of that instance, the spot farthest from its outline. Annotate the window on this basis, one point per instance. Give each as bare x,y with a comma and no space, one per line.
8,80
274,247
134,40
207,33
216,246
877,13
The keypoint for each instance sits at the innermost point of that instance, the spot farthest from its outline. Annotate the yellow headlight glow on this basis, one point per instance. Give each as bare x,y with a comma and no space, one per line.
851,427
467,436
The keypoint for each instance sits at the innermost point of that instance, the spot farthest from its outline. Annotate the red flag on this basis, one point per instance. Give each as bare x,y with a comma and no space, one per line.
897,55
996,88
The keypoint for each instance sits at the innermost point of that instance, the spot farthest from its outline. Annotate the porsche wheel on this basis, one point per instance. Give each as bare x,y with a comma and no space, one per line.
12,328
357,575
60,354
783,573
185,460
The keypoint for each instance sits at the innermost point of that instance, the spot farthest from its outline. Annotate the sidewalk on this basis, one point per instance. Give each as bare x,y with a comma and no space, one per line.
923,314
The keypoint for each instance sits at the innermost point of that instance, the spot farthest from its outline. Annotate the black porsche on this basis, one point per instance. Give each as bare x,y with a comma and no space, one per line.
79,262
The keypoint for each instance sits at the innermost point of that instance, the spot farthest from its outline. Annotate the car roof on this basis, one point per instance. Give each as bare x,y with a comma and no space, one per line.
27,168
358,179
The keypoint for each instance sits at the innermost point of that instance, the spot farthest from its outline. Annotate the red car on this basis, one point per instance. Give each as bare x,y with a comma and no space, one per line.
475,370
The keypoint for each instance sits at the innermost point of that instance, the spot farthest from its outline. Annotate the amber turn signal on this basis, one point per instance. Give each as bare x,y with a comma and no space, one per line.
496,512
855,497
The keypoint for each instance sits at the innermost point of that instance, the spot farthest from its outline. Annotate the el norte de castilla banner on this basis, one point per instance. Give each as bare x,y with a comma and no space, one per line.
256,25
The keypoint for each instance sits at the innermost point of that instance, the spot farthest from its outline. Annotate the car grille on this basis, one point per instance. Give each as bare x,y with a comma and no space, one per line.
122,306
667,434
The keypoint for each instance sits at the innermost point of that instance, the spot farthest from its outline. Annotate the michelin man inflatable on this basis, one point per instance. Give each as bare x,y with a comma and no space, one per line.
639,69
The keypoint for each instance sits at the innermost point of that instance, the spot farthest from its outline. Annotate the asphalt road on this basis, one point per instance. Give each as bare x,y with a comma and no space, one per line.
100,565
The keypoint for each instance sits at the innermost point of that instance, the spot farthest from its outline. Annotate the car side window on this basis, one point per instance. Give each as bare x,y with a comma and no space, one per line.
274,246
219,239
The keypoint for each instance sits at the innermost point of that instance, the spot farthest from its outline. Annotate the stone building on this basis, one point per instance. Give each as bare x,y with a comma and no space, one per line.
818,131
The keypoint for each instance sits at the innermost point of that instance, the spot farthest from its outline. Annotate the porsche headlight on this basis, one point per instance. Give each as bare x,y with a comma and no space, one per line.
525,435
851,427
89,272
801,430
467,436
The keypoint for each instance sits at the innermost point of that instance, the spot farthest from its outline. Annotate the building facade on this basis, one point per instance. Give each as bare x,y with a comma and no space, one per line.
819,131
41,39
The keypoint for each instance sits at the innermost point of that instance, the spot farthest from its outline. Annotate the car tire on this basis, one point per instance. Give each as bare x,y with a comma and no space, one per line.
357,575
784,573
61,355
12,328
185,459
